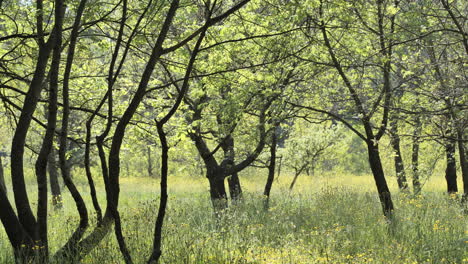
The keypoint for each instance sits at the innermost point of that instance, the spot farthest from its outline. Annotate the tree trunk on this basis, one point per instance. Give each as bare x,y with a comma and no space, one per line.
415,156
463,163
271,170
217,190
235,189
279,166
21,242
156,252
87,164
53,180
70,245
296,175
25,214
399,166
451,169
379,177
2,177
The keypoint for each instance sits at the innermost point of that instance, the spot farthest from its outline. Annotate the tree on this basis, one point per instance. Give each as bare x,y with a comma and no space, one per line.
307,144
364,64
2,175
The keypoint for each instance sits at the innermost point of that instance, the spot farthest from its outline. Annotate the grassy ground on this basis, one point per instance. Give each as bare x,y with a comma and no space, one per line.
327,219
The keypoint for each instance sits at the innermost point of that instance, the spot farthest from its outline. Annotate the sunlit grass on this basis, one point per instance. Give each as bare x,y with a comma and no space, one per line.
326,219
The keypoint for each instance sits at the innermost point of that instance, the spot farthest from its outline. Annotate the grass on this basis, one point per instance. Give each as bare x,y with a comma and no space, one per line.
326,219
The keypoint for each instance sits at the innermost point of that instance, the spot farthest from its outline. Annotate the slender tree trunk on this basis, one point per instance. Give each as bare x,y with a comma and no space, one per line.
25,214
296,175
70,245
41,236
25,224
2,177
415,156
271,171
297,172
379,177
53,180
399,166
87,164
463,163
120,129
235,189
87,161
156,253
279,166
73,255
451,168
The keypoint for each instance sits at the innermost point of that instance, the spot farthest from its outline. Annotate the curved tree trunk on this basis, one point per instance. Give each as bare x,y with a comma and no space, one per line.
463,163
271,170
296,175
2,177
398,160
235,189
415,156
156,252
53,180
379,177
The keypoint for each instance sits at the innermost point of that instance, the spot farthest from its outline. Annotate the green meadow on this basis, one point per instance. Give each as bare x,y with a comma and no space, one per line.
326,219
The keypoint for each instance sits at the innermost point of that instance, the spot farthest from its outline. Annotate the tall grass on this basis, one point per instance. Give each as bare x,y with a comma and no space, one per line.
326,219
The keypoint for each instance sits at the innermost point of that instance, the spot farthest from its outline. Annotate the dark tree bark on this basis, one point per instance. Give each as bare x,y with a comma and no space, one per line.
216,180
119,133
235,189
451,168
217,189
47,143
25,215
110,192
463,163
271,168
379,178
156,254
64,166
385,96
29,231
215,172
398,160
53,180
450,118
157,240
2,177
20,240
415,155
87,164
459,24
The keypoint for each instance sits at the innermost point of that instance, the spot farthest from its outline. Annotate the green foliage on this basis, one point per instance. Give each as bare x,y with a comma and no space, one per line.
310,145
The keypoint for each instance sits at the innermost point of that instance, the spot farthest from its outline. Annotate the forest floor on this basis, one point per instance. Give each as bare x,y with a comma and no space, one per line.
324,220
